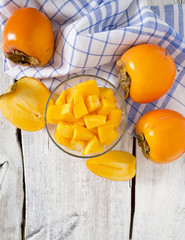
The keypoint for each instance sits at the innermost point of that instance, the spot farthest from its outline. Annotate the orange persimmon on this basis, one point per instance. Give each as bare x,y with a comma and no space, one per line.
161,134
23,104
146,72
28,38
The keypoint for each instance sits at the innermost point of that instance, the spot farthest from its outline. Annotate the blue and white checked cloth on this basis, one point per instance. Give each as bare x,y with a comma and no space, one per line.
90,35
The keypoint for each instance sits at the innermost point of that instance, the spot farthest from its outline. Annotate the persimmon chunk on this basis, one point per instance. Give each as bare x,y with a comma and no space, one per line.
93,146
61,99
106,107
92,121
89,87
105,131
67,112
76,145
78,97
107,93
113,135
92,102
23,104
65,129
80,110
115,116
70,93
82,133
114,165
53,114
78,122
61,140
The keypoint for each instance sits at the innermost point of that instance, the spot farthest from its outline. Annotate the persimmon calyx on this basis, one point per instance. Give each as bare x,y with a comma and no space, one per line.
123,77
21,58
144,145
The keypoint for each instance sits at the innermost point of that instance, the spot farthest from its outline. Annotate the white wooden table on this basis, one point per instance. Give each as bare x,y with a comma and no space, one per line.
47,195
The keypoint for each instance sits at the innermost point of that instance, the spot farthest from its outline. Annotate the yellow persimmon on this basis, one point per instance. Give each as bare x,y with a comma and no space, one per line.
23,104
114,165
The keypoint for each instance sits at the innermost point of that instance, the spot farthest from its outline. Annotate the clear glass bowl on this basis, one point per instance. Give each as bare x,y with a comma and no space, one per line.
101,83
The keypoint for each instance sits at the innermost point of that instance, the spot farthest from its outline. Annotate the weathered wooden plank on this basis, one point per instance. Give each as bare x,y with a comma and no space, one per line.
63,198
11,174
159,196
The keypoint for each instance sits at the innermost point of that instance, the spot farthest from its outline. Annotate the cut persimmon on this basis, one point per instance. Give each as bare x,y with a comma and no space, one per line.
23,104
114,165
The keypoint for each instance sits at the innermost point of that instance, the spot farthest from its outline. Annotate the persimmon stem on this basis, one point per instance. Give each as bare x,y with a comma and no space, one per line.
123,77
144,145
21,58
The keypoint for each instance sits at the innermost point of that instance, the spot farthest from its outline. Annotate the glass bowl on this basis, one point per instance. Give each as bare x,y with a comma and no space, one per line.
70,82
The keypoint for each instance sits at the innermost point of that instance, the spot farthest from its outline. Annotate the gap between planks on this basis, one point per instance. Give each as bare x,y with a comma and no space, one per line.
19,139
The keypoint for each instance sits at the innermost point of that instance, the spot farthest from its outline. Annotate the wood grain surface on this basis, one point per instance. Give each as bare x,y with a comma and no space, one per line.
11,174
48,195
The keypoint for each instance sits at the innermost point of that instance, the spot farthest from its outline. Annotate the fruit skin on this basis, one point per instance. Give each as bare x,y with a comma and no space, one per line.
114,165
164,132
23,104
151,72
29,31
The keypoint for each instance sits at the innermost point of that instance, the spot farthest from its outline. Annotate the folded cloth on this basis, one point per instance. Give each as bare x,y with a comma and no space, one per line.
90,35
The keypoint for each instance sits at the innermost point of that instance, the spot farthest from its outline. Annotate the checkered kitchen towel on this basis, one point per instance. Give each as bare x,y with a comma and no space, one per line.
90,35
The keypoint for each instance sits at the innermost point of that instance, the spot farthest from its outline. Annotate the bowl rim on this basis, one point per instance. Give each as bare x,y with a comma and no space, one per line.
98,154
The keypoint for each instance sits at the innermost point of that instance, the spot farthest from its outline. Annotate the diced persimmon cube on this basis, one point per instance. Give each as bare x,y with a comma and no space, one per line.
65,129
115,116
53,114
61,140
78,122
92,102
112,137
78,97
82,133
61,99
92,146
79,110
67,112
70,93
92,113
106,107
89,87
94,130
104,131
92,121
76,145
107,93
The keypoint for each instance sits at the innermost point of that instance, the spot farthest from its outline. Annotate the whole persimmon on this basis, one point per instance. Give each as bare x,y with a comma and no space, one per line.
146,72
28,38
161,134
